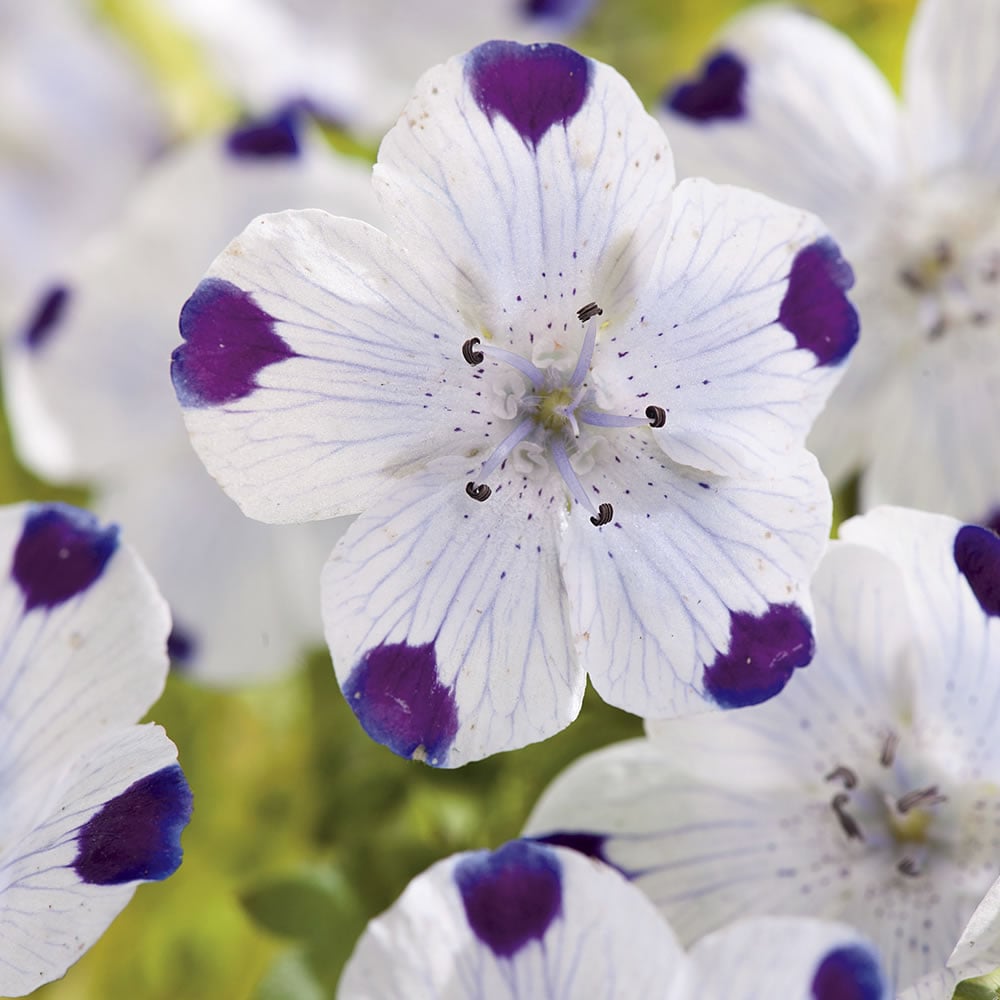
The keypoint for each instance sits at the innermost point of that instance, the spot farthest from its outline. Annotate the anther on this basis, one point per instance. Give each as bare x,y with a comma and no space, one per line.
604,514
888,754
481,492
847,822
923,796
590,310
844,774
472,357
907,866
657,416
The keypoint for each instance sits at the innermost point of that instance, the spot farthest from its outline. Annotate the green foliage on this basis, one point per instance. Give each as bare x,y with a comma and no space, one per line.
982,988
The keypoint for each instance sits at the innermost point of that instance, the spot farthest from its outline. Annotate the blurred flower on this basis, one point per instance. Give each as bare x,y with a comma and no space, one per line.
570,399
528,921
868,792
90,399
92,804
355,63
79,124
788,106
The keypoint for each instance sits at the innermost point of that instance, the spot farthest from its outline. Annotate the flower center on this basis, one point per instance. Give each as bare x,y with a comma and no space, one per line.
551,413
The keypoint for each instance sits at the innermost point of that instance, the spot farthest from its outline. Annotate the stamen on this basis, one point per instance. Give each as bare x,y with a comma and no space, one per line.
844,774
481,492
847,822
923,796
576,489
586,355
604,514
888,754
590,310
597,418
907,866
506,446
469,352
657,416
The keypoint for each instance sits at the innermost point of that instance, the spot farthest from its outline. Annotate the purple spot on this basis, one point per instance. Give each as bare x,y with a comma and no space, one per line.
400,702
181,646
815,309
762,654
533,86
137,835
229,339
61,552
47,316
274,137
566,15
718,93
511,895
848,973
590,844
977,556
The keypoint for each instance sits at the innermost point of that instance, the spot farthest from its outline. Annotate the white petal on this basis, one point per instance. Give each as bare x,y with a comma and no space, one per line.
952,84
695,573
524,921
792,109
742,332
447,619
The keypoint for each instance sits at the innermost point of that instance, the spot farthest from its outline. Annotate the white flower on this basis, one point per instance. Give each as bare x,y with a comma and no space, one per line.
89,393
791,108
869,792
570,399
528,921
90,803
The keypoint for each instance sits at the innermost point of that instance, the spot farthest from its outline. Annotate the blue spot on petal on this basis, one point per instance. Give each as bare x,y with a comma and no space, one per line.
511,895
137,835
533,86
717,93
61,552
977,556
400,702
181,646
763,653
565,15
849,973
815,309
48,314
229,339
274,137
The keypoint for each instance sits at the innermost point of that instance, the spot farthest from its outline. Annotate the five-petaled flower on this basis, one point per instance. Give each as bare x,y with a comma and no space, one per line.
570,399
789,107
869,791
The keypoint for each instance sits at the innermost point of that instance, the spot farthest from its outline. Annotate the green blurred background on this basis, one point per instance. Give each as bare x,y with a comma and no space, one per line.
303,828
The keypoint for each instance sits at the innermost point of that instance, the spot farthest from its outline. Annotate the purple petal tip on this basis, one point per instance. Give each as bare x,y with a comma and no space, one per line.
511,895
718,93
533,87
49,313
137,835
566,15
815,309
763,653
61,552
849,973
274,137
228,341
400,702
977,556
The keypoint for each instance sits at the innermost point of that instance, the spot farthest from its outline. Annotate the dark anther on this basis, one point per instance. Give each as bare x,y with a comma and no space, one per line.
481,492
604,514
921,797
847,822
907,866
590,310
657,416
471,355
844,774
911,278
888,754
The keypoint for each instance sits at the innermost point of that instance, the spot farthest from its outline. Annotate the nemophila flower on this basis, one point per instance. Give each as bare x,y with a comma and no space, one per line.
789,107
80,124
529,920
570,400
91,804
339,55
88,388
868,792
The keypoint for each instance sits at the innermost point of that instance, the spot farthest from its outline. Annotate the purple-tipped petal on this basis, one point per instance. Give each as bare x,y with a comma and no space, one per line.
229,339
181,646
511,895
567,15
849,973
273,137
977,556
815,309
590,844
763,653
400,702
533,86
61,552
48,314
717,93
136,836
